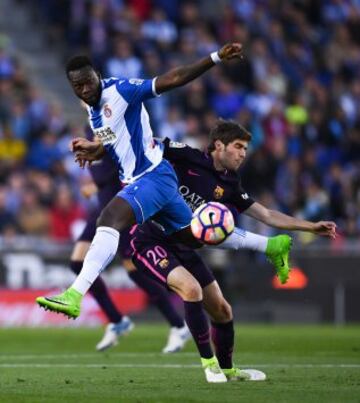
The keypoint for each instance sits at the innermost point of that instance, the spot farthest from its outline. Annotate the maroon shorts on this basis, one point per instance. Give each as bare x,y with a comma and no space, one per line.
155,256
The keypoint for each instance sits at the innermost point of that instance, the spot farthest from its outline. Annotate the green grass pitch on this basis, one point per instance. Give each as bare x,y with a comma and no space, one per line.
303,364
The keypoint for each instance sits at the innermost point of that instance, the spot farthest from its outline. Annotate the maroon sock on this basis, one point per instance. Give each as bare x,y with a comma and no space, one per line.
222,335
158,296
101,294
199,327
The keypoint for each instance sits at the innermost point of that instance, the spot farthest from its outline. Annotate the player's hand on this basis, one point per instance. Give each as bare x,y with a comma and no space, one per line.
86,151
325,228
231,51
81,144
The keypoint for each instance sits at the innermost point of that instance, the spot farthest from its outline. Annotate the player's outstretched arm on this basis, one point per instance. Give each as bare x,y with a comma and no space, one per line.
86,151
184,74
279,220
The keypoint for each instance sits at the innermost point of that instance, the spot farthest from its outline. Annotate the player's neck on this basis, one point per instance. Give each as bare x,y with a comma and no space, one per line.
217,165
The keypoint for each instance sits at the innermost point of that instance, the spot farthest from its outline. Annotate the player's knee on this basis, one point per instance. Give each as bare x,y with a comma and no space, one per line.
223,312
106,219
193,292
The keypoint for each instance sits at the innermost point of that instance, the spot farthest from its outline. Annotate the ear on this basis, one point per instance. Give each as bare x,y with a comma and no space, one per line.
219,145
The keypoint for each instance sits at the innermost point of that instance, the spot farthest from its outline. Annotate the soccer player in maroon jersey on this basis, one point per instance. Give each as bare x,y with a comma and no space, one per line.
203,177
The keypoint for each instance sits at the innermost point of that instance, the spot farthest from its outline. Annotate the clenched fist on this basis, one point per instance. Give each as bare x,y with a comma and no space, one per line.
230,51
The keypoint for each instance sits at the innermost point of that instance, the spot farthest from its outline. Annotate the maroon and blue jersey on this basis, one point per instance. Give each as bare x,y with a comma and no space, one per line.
200,182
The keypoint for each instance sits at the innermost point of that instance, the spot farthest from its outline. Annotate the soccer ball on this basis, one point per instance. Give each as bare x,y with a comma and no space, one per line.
212,223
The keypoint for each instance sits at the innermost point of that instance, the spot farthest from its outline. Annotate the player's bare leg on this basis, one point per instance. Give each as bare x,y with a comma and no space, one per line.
222,334
188,288
179,333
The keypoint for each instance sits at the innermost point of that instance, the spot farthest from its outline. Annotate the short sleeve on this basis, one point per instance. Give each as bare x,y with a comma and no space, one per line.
174,150
241,200
136,90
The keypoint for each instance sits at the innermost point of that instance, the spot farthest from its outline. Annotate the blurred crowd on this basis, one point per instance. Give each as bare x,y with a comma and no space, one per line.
297,90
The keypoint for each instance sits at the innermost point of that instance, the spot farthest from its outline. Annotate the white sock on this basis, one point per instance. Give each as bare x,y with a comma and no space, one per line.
241,239
102,251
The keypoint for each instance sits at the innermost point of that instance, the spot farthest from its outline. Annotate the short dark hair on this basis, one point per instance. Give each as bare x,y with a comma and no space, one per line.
78,62
227,131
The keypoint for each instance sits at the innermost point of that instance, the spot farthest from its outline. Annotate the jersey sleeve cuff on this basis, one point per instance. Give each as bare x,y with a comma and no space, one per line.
154,88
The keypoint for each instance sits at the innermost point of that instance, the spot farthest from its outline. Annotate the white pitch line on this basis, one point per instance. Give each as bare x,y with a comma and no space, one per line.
86,355
105,365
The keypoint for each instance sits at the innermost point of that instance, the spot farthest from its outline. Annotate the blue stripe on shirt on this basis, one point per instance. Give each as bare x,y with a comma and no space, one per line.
111,151
96,117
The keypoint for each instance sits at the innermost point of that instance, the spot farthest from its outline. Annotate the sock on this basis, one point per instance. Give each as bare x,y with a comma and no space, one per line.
222,335
199,327
241,239
101,294
158,296
102,251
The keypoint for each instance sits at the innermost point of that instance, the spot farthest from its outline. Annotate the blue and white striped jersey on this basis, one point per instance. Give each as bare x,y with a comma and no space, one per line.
121,122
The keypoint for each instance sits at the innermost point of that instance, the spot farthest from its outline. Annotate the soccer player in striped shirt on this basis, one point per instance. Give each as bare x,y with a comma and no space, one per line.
120,122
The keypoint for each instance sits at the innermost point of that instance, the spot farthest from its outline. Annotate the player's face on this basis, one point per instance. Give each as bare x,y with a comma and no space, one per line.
232,155
86,85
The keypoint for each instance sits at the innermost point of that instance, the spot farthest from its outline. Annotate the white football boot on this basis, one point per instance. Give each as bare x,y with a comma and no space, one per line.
113,331
177,339
237,374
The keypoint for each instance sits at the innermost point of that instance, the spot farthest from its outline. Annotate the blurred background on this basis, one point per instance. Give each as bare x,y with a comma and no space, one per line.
297,90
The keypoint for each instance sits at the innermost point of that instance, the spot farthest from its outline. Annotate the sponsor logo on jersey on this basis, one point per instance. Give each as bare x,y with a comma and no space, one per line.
218,192
136,81
105,134
193,200
164,263
107,111
176,144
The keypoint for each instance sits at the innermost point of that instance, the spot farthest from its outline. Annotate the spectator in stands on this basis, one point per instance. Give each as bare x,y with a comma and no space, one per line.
32,216
7,218
64,215
123,63
297,90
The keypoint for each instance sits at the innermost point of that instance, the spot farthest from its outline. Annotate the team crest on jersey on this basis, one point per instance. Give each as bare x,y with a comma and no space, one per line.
164,263
107,111
218,192
176,144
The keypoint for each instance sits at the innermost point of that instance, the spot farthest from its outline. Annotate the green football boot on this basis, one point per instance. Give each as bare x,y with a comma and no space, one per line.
68,303
237,374
277,251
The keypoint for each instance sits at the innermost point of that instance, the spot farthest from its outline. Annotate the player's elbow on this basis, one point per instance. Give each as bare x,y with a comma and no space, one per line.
265,216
